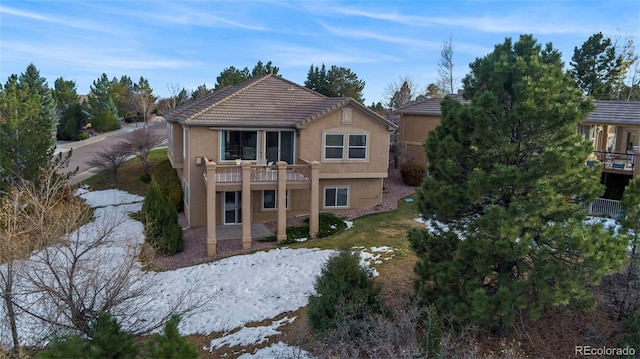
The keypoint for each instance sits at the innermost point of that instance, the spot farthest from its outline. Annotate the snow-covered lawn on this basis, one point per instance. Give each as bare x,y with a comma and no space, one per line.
231,292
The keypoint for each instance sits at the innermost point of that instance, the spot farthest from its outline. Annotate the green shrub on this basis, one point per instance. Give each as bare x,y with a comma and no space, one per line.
161,228
167,179
170,345
330,224
345,292
83,136
412,173
108,340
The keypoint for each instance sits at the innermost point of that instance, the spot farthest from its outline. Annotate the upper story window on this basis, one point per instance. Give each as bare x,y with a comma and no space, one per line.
334,146
357,146
241,145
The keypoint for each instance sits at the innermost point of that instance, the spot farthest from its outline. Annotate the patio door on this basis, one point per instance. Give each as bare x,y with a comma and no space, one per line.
279,146
232,207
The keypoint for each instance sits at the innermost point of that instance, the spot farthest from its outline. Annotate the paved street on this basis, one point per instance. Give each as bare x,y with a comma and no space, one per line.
83,151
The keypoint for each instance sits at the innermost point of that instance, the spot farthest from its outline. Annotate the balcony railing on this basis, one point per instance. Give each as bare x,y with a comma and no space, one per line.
603,206
613,160
259,173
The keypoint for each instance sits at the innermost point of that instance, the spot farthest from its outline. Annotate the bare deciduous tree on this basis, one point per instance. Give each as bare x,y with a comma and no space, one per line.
445,67
111,159
400,92
140,143
177,96
142,99
74,268
27,222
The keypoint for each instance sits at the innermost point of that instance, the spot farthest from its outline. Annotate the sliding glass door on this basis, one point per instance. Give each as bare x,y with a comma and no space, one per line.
280,146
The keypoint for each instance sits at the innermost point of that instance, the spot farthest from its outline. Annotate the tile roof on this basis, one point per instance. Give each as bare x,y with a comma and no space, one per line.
606,112
430,106
615,113
262,102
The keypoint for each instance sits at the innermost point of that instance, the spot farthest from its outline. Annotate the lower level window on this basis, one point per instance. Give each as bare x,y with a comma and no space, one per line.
270,199
336,197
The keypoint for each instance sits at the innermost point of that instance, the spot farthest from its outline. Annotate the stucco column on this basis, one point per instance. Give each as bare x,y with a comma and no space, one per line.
281,236
212,242
314,206
246,205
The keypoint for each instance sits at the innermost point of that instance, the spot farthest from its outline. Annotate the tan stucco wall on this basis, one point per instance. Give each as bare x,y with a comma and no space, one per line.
204,142
413,132
312,138
363,193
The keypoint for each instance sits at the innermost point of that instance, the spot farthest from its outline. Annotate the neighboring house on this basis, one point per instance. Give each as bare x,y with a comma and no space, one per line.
613,127
417,119
269,149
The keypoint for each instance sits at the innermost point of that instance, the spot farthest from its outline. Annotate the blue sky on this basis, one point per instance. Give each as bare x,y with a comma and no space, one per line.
188,43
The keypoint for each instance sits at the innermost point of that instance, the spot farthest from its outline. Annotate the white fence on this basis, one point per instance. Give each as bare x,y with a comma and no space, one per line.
603,206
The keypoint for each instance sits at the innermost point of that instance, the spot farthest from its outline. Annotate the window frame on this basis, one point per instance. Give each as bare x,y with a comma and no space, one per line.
336,204
326,146
275,206
222,138
365,147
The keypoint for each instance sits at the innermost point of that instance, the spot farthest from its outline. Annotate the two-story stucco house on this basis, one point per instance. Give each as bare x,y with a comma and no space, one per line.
613,128
269,149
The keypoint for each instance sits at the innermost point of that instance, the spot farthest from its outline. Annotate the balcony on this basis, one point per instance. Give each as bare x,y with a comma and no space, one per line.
229,177
614,162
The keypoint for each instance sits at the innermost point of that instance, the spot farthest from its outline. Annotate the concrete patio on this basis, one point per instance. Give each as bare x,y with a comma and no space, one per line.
234,231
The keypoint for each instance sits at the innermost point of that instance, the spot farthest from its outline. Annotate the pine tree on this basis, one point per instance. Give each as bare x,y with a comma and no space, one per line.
596,67
506,173
108,340
344,291
70,112
170,345
102,105
162,230
27,127
336,82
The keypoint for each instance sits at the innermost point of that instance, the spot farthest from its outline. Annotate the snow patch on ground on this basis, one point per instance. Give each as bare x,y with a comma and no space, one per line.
231,292
249,335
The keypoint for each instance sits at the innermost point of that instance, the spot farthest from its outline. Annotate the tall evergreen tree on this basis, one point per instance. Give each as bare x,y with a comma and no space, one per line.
201,91
596,68
28,123
121,92
262,69
506,172
336,82
72,115
233,76
102,106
